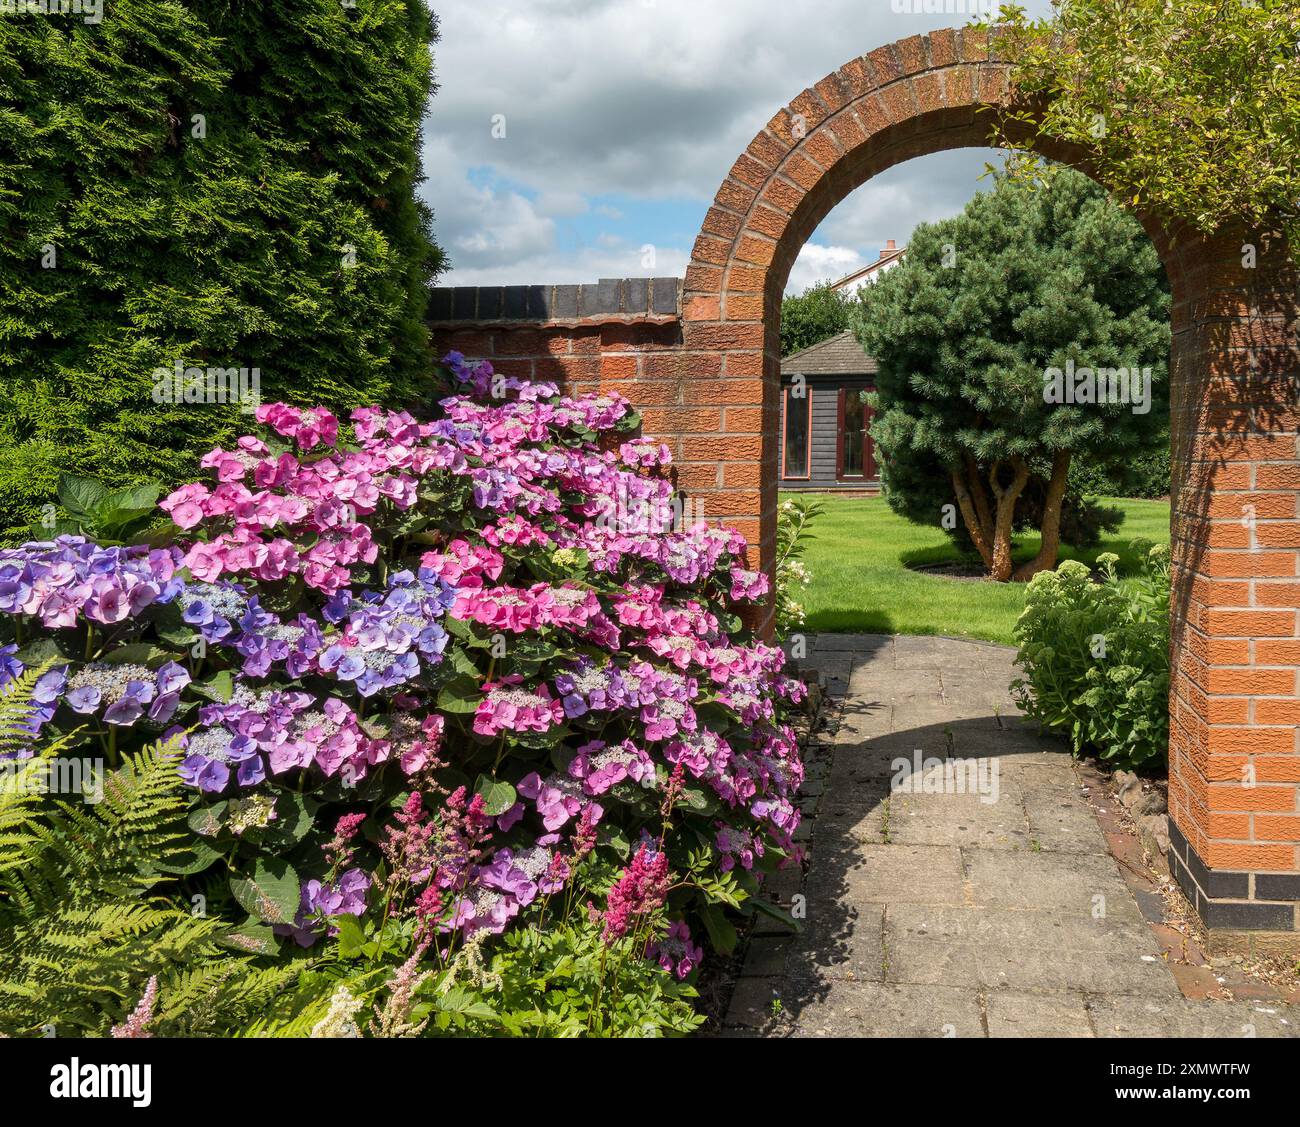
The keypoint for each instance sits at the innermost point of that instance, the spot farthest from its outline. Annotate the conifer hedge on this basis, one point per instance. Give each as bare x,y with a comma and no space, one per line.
215,183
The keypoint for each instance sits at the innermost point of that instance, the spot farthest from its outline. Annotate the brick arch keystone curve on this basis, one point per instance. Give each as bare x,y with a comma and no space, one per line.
1234,779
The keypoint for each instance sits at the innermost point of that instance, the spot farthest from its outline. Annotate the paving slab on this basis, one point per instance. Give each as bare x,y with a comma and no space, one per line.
1053,969
891,874
1184,1017
838,943
861,645
869,1009
1072,882
1012,1013
1060,820
1018,929
840,824
965,820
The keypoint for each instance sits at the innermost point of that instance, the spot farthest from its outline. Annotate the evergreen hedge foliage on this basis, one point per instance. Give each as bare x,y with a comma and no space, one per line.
185,183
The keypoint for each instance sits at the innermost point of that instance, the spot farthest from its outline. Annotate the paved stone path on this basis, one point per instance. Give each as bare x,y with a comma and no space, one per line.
995,912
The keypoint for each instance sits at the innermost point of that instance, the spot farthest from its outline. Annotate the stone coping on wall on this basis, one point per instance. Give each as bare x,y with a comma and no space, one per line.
620,300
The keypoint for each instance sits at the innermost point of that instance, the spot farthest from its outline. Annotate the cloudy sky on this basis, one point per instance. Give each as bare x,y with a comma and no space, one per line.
572,140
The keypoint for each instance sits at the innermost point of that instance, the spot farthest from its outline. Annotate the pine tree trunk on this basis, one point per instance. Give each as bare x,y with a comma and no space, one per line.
1006,512
1050,544
990,528
968,487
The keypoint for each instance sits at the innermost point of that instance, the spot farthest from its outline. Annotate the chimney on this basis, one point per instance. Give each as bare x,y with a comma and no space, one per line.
890,247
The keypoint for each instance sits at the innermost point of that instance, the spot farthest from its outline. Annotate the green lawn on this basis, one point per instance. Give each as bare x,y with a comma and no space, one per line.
862,582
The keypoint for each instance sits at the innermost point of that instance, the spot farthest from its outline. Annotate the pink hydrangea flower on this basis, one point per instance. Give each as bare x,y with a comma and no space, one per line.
507,707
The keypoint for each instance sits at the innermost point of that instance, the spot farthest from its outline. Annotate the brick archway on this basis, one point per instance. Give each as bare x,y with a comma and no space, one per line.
1235,702
700,359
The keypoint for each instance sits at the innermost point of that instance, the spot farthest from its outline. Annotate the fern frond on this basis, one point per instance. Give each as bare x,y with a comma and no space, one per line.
82,924
22,770
17,709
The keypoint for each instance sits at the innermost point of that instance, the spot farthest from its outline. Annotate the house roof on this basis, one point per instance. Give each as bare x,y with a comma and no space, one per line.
890,254
840,355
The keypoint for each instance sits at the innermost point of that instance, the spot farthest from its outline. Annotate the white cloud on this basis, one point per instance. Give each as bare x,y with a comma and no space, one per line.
888,207
562,204
499,236
820,263
650,100
561,267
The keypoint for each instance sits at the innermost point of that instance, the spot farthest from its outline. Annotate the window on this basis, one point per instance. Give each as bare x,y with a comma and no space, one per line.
855,455
795,425
852,432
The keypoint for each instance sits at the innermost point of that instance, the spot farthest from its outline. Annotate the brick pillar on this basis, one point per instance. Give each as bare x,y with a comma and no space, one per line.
1234,775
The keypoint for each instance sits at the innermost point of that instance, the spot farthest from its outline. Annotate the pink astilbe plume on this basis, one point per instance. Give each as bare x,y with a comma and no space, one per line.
408,849
393,1018
639,891
142,1016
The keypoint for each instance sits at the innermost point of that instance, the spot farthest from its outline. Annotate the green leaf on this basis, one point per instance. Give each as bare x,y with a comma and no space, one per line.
696,799
181,636
460,695
80,495
271,893
775,911
720,891
721,932
139,499
498,796
139,653
458,628
194,858
351,936
208,821
462,663
461,1001
295,815
252,937
40,651
41,530
219,687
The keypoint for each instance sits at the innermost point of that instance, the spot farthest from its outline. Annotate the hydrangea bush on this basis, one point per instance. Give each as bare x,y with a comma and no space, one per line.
445,690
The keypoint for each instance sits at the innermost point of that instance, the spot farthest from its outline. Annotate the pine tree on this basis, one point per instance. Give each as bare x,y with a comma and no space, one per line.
1031,277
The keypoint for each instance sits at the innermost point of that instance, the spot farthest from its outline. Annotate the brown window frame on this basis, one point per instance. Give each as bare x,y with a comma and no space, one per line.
806,398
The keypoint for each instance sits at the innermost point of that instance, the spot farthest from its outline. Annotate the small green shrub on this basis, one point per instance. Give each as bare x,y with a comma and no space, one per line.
1096,658
794,519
